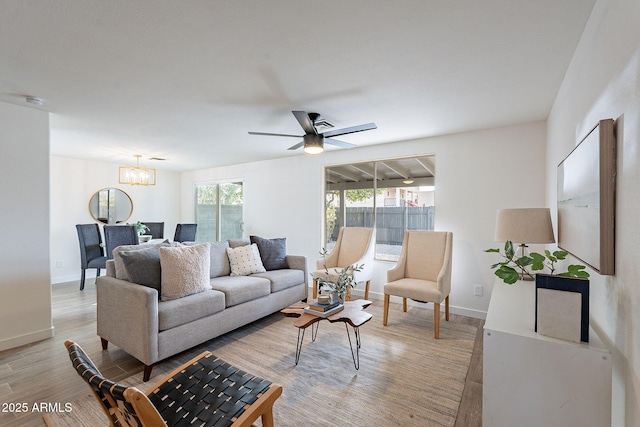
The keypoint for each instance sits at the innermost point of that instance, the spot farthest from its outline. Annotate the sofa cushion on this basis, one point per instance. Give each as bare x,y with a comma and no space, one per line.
142,266
245,260
273,252
179,311
185,270
236,243
241,289
282,279
117,260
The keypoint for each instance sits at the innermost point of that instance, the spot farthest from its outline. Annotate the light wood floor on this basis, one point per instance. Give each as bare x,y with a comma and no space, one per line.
40,373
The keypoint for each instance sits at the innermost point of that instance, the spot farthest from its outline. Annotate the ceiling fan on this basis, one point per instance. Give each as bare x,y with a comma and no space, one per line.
314,136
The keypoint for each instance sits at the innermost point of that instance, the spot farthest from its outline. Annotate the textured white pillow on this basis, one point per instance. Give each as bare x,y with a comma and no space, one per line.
185,271
245,260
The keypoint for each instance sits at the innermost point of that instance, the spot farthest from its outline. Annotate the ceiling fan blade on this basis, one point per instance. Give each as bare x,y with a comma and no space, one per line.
352,129
274,134
295,147
339,143
305,122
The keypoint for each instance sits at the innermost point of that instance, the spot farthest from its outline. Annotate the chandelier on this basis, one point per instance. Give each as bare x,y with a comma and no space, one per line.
137,175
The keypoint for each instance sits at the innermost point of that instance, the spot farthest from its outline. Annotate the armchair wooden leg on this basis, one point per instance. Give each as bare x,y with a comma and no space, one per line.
315,289
404,305
446,308
267,418
366,289
385,315
436,320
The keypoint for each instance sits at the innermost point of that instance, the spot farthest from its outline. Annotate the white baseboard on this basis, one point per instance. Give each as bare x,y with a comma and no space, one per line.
70,278
26,339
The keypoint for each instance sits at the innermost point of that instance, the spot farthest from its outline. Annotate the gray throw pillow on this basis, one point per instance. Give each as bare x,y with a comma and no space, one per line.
273,252
219,259
142,266
236,243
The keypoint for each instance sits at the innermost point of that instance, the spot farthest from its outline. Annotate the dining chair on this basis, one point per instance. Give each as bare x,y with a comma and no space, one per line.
422,273
185,233
204,391
155,229
91,251
118,235
355,246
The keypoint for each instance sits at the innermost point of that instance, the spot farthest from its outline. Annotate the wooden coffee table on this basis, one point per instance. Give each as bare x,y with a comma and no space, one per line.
352,314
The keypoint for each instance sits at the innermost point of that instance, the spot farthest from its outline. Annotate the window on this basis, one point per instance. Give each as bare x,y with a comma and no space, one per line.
219,211
392,195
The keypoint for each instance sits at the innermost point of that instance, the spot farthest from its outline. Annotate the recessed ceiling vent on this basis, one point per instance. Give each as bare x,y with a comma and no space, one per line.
322,125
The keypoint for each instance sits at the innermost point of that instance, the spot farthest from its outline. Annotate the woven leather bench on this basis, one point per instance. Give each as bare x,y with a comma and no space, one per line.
206,391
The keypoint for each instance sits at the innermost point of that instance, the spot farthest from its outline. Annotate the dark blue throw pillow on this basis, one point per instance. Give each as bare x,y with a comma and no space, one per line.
273,252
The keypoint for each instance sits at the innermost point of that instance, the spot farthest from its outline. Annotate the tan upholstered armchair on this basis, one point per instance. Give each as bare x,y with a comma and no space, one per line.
355,245
423,273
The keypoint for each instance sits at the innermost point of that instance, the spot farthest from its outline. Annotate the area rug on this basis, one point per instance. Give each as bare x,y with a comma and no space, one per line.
406,377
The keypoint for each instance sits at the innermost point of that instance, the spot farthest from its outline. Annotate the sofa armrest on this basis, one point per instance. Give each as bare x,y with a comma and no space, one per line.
111,268
299,262
127,316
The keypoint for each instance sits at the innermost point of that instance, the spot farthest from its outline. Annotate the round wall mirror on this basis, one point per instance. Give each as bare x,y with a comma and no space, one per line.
110,206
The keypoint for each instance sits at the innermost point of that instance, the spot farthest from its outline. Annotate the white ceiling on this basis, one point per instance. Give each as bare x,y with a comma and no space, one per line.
186,81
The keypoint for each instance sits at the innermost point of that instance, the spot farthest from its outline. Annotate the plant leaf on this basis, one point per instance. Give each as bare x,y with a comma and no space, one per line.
549,256
507,274
537,263
508,250
523,261
576,271
492,250
560,254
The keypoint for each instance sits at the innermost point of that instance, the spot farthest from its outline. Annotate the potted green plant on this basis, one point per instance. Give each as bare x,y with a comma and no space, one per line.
514,268
343,283
140,227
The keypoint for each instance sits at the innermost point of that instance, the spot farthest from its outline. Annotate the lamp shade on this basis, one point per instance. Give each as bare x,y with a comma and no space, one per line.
530,225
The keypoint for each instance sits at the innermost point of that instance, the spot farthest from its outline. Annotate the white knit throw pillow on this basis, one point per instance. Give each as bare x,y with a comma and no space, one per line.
185,271
245,260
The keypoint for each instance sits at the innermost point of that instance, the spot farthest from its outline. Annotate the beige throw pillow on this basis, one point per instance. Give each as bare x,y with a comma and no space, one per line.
245,260
185,271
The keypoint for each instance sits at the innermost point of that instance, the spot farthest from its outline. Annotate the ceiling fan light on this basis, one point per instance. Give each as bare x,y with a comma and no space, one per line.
408,181
313,147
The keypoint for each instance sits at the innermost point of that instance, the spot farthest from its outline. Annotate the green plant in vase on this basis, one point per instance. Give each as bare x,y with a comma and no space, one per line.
343,283
514,268
140,227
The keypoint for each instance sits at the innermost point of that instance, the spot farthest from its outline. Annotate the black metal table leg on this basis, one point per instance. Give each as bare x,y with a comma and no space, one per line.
299,343
356,356
314,334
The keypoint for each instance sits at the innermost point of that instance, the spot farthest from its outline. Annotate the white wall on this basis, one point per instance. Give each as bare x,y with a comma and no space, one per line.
603,82
476,173
25,302
74,181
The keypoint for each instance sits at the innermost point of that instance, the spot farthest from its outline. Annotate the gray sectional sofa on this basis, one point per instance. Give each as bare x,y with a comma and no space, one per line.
133,313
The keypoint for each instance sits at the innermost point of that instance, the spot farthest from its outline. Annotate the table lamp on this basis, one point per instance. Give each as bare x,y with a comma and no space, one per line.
528,225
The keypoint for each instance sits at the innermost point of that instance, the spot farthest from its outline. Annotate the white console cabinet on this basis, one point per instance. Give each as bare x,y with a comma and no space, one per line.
534,380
